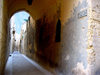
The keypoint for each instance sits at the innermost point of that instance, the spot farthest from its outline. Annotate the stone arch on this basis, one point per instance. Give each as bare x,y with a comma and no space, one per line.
19,10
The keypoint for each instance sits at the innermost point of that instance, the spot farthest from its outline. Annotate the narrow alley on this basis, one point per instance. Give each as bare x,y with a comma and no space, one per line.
49,37
19,64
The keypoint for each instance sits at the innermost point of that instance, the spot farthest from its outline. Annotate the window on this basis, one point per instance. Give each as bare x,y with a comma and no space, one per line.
58,31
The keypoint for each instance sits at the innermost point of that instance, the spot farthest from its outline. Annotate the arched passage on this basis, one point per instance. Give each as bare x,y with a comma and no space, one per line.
76,18
45,21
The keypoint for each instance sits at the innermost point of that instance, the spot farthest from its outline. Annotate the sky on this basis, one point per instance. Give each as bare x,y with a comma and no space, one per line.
19,19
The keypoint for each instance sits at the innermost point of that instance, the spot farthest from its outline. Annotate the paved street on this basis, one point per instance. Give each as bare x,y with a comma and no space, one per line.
19,64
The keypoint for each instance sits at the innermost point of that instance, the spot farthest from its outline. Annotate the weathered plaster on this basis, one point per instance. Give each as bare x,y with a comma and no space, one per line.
74,38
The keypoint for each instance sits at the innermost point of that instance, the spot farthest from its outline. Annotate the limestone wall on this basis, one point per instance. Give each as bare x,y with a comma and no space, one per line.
95,27
1,14
3,35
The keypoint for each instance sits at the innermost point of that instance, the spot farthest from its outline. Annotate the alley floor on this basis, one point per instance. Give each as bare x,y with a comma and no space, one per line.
19,64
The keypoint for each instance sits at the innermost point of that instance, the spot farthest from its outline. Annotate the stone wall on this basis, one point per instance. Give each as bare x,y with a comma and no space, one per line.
95,27
74,18
1,15
29,38
3,35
